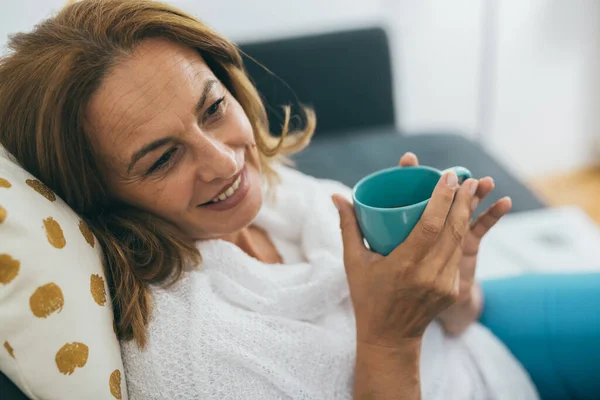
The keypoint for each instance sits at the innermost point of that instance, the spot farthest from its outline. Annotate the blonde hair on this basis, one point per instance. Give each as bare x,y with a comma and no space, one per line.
46,81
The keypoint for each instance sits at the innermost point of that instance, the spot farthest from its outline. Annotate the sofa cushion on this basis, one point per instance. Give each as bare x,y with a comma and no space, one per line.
57,337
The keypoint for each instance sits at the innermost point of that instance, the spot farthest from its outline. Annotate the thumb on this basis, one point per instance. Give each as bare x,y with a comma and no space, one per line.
351,235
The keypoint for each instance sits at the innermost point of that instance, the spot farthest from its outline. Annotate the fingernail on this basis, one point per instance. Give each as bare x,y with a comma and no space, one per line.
452,179
474,203
473,186
335,203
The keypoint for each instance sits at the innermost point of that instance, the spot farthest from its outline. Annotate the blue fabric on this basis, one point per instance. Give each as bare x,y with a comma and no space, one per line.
551,323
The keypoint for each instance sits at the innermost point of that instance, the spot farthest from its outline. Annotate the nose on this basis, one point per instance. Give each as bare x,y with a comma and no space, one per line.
216,160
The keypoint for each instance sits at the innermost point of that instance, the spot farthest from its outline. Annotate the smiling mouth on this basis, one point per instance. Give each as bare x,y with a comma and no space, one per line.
227,191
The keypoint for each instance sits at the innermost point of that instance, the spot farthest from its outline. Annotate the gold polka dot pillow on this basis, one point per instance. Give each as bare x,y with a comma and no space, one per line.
57,338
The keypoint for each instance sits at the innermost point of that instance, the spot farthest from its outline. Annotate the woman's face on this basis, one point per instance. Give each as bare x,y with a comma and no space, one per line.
173,141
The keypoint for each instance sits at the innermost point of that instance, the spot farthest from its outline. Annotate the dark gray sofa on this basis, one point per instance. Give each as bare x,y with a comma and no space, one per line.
347,77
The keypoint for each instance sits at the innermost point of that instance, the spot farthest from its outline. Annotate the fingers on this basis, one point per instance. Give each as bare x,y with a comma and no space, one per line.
409,160
484,223
431,223
485,187
352,237
457,224
489,218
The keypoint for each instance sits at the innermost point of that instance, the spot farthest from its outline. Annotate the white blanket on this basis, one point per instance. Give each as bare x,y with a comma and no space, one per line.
237,328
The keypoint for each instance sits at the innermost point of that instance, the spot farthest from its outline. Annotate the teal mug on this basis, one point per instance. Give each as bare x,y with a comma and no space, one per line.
390,202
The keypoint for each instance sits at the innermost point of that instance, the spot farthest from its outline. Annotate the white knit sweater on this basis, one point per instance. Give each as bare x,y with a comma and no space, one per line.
235,328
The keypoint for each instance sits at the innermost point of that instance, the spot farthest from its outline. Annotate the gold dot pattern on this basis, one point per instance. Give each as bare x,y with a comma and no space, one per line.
41,189
87,234
71,356
97,289
9,349
115,384
4,183
9,268
46,300
54,233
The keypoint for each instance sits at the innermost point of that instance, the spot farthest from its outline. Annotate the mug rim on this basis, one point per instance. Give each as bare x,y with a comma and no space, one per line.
383,171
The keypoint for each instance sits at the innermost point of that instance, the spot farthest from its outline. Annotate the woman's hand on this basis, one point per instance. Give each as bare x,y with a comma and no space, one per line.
469,304
396,297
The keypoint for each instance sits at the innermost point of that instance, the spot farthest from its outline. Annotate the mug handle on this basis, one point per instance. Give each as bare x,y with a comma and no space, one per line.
462,173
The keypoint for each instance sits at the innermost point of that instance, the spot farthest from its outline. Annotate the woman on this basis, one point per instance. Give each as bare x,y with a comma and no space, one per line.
226,268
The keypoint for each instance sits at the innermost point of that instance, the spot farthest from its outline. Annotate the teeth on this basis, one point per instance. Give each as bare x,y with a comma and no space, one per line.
229,192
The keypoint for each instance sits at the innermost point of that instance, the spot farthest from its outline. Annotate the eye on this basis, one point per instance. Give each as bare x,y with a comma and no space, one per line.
162,162
215,108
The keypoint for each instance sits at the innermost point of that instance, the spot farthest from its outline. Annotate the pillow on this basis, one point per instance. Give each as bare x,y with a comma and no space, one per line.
57,335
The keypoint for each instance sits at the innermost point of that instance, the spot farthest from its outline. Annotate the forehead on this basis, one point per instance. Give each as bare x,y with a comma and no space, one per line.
144,93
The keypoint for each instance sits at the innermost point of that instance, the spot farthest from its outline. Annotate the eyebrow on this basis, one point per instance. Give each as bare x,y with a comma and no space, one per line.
207,87
147,149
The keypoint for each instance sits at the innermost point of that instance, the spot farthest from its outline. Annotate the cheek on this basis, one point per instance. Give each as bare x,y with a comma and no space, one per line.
176,195
240,121
169,196
163,198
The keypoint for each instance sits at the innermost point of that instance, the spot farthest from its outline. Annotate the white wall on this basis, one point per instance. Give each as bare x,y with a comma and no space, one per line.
436,46
547,94
264,19
238,19
19,15
539,94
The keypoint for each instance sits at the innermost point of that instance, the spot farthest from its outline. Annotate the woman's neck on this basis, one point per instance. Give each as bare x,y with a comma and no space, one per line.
256,243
